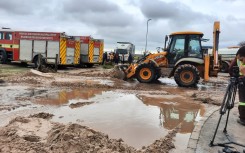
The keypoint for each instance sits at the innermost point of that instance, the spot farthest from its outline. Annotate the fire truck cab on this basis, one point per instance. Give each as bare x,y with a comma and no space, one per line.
6,45
25,47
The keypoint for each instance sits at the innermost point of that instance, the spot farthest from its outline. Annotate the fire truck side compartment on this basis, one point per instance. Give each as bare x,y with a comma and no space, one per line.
25,45
53,48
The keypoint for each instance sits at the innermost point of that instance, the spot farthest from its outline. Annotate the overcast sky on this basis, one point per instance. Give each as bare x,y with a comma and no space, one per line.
126,20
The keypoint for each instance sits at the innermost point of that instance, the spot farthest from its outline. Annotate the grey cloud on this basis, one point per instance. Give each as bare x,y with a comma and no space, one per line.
96,6
108,20
97,13
158,9
176,13
20,7
134,34
229,0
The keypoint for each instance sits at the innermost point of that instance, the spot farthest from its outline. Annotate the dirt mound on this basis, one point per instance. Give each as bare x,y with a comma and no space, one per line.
93,74
79,104
209,98
31,77
164,145
40,135
77,138
117,84
112,73
30,73
20,119
2,81
60,138
47,69
36,73
43,115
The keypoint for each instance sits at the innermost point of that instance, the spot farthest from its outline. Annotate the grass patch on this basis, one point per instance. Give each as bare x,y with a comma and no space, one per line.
108,66
7,69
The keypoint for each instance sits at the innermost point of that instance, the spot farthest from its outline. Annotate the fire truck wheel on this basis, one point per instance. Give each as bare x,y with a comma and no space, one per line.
186,75
89,65
3,56
36,61
145,73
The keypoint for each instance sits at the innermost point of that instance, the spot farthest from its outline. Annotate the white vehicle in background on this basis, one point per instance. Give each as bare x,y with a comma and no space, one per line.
227,55
124,49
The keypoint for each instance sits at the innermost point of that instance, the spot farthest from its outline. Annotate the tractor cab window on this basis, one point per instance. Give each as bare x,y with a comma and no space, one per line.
194,47
178,44
177,48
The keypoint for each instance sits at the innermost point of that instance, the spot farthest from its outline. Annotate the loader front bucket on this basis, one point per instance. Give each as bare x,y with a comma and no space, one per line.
119,72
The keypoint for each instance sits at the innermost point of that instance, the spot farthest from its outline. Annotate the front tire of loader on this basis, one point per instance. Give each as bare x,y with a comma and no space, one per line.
186,75
145,73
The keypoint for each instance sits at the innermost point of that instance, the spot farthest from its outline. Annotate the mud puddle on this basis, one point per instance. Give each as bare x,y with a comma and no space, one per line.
87,81
139,119
17,101
201,86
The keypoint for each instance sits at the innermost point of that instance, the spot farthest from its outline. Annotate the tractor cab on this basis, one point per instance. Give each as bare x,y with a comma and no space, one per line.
183,45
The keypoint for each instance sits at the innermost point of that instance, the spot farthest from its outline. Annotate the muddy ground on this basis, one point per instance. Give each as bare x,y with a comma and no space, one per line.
33,131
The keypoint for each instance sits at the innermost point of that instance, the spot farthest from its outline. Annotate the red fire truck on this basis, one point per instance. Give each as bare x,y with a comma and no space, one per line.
25,47
91,51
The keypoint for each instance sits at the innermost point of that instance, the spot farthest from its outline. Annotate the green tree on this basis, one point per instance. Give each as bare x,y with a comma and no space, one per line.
242,43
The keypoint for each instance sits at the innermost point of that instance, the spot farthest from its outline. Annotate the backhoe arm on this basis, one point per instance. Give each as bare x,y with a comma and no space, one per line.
216,45
211,70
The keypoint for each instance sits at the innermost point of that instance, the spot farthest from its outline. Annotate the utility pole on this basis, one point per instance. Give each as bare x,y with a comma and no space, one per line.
146,34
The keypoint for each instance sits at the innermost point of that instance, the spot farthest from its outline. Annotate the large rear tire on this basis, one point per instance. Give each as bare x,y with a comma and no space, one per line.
38,63
3,56
186,75
145,73
158,73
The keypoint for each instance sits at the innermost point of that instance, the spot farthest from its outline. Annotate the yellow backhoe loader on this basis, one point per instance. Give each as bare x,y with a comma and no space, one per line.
183,58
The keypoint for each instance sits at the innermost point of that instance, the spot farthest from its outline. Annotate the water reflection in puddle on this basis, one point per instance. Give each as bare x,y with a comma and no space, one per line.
86,80
175,110
64,97
138,119
201,86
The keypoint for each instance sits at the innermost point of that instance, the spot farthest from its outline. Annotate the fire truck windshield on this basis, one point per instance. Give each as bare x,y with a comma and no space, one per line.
6,35
1,35
122,51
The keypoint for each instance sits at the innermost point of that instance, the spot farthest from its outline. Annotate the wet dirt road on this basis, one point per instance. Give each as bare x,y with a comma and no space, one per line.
137,113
